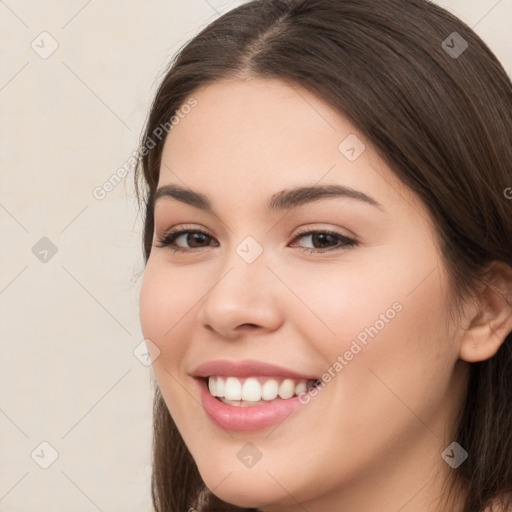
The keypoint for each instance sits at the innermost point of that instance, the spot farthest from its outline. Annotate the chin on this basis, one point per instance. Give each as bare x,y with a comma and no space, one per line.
245,487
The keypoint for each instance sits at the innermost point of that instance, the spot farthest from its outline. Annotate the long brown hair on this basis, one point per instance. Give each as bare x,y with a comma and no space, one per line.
439,114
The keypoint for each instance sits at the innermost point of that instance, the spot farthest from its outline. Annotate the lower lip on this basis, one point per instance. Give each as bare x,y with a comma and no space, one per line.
245,419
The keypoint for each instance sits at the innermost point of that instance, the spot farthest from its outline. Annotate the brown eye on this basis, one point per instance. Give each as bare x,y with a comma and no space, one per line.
326,241
322,241
194,239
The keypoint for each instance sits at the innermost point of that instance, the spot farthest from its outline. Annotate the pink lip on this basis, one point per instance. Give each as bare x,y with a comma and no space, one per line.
246,368
245,419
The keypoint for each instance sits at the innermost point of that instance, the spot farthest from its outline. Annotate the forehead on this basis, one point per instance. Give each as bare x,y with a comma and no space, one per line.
256,136
230,113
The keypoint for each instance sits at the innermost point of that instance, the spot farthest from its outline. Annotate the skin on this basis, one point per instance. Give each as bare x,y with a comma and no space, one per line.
372,438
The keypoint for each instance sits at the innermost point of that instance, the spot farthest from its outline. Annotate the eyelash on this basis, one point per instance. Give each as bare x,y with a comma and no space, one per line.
167,240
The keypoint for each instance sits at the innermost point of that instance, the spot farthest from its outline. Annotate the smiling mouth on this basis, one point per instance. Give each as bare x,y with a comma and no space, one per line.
257,390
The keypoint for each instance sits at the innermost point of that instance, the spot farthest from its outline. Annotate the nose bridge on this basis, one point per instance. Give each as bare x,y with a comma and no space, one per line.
244,267
242,292
244,274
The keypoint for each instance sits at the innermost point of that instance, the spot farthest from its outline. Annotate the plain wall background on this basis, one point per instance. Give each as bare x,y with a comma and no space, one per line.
69,323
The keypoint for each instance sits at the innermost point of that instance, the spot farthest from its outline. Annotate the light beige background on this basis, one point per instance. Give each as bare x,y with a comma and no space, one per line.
69,325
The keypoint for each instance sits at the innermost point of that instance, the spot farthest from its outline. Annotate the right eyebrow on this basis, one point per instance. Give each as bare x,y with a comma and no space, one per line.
184,195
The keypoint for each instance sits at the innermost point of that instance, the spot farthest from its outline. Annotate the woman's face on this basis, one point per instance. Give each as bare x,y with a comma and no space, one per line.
367,319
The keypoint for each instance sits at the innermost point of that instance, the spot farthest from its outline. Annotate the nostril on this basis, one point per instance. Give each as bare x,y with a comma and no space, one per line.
249,325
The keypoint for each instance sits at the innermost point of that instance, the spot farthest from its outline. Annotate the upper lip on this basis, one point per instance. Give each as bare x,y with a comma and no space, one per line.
246,368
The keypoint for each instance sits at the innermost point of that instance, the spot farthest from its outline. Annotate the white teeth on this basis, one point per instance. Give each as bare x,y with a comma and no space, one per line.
269,390
251,390
254,389
220,385
233,389
287,388
212,385
241,403
301,387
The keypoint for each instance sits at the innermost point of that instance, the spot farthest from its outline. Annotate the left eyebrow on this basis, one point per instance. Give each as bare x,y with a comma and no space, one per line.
291,198
282,200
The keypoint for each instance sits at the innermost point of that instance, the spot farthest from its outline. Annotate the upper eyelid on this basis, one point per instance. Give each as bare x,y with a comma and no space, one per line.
181,229
307,231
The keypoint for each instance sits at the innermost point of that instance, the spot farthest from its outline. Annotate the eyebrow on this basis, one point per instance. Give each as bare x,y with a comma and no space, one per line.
282,200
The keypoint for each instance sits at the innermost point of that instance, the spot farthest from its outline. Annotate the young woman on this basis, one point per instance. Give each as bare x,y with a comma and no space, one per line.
327,294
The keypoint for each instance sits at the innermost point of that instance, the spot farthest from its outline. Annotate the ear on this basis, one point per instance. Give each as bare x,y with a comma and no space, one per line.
491,324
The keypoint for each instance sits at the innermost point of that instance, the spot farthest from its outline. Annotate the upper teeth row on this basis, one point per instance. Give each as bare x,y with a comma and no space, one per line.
251,390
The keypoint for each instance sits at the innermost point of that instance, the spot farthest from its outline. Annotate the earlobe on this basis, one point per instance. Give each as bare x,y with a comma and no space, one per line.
492,323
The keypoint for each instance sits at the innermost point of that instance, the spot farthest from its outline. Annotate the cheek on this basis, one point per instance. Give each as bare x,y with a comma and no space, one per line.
387,320
166,303
338,302
405,364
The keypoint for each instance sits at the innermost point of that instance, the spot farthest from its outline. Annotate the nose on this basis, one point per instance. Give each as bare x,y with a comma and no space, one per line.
241,300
